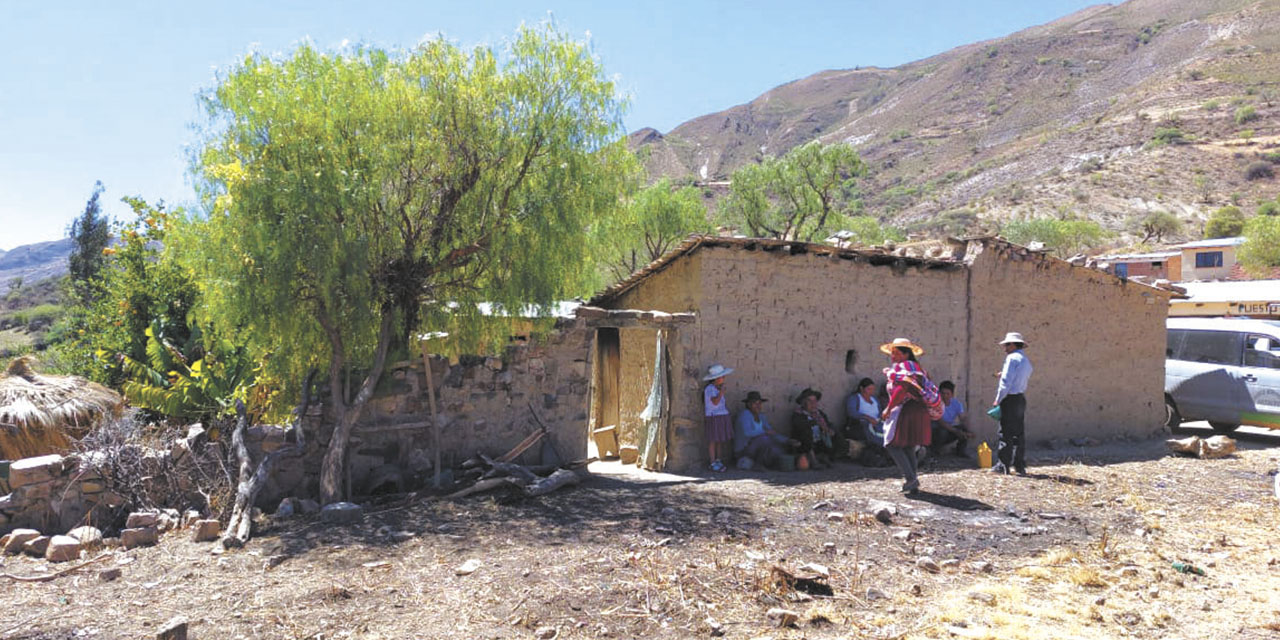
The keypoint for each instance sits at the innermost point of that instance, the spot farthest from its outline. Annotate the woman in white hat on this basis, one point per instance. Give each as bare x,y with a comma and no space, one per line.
905,416
718,424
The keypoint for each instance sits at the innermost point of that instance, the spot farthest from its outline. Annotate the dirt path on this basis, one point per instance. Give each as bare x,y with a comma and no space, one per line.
1082,548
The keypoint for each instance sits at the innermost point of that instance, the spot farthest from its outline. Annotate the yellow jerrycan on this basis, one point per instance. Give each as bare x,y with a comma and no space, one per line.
984,456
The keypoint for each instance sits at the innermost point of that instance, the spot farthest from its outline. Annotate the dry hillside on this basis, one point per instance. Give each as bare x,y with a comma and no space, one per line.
1057,119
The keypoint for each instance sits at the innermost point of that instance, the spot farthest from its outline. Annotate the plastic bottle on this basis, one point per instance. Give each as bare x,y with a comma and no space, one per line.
1187,567
984,456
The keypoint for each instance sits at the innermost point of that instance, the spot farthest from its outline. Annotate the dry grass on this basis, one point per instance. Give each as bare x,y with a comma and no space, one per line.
39,414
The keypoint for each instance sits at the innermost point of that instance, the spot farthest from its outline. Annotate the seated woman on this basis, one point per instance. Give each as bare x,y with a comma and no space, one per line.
863,424
813,429
754,438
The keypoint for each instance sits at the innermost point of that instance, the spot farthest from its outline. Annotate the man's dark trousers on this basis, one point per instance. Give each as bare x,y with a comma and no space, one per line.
1013,448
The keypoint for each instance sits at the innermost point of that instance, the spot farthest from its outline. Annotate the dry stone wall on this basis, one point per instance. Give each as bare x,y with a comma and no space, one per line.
487,404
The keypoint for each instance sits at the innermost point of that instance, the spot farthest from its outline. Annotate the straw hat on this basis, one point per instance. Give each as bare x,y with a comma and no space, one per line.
888,347
1013,336
717,371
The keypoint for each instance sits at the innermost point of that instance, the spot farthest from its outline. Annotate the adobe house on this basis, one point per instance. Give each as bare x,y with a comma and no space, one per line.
788,315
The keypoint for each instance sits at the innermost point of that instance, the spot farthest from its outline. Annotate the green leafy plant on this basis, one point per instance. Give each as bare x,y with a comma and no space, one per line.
1226,222
1245,114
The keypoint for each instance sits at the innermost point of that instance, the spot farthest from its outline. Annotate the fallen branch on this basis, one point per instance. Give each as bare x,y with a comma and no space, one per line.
561,478
483,485
57,574
496,469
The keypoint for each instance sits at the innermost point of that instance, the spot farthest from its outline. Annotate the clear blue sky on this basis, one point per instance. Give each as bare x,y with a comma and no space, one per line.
93,90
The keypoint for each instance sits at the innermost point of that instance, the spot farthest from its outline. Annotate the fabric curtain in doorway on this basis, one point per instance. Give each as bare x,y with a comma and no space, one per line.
654,418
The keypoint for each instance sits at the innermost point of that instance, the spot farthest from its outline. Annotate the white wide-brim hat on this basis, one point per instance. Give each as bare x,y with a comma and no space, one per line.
1013,336
717,371
888,347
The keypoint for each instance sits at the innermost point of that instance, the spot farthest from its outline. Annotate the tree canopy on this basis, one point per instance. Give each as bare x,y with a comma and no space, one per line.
1260,252
354,196
90,234
651,223
807,194
1226,222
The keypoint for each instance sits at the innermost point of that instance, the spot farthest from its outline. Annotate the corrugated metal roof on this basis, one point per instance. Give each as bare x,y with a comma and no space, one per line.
1215,242
1140,256
1231,291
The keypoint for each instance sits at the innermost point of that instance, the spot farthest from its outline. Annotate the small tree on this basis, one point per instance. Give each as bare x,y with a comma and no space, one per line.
1066,237
1259,170
90,234
1226,222
653,222
805,195
1158,224
1260,252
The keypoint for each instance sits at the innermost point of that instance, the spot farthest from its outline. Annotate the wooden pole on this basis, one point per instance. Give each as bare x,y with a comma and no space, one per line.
435,414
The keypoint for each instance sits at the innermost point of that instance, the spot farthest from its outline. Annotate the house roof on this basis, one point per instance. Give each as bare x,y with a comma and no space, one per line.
1245,291
696,242
1215,242
1140,256
877,257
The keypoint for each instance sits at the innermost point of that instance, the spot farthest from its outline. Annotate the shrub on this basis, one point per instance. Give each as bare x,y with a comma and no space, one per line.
1258,170
1211,105
899,134
1246,114
1273,157
1269,208
1169,135
1226,222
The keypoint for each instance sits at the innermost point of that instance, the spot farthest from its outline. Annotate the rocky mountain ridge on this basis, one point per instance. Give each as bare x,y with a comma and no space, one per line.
1106,114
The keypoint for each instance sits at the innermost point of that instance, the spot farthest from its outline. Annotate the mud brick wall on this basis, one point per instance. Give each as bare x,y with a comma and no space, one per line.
785,322
484,404
1097,346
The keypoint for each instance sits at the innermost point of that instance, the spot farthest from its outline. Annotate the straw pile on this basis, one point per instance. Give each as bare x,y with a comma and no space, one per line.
40,414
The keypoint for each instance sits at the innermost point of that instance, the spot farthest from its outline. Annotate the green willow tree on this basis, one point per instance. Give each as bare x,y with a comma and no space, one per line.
1066,237
806,194
356,198
90,234
653,222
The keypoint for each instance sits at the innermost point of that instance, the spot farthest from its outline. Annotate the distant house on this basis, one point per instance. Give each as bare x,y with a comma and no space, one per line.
1209,259
790,315
1162,265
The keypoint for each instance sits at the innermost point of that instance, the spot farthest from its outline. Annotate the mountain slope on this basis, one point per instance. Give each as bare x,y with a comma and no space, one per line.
1057,119
34,262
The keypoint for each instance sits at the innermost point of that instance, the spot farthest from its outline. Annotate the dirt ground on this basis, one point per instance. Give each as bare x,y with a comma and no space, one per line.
1081,548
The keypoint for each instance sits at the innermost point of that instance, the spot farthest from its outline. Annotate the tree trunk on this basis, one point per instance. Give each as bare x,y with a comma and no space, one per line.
333,466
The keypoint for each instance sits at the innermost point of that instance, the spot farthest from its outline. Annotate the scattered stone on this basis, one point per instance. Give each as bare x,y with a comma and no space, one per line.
286,509
88,537
140,519
107,575
169,519
403,536
1053,516
983,567
823,504
1099,601
546,633
1129,572
467,568
206,531
988,599
927,563
717,629
883,511
828,547
16,538
814,567
874,594
62,549
916,590
174,629
308,506
138,537
341,513
274,561
782,617
190,517
902,534
1153,591
36,546
950,563
835,516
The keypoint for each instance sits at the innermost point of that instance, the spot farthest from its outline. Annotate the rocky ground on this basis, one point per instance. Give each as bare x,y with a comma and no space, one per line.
1084,547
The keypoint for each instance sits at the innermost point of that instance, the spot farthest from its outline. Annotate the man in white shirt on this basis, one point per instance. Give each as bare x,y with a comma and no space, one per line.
1012,400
